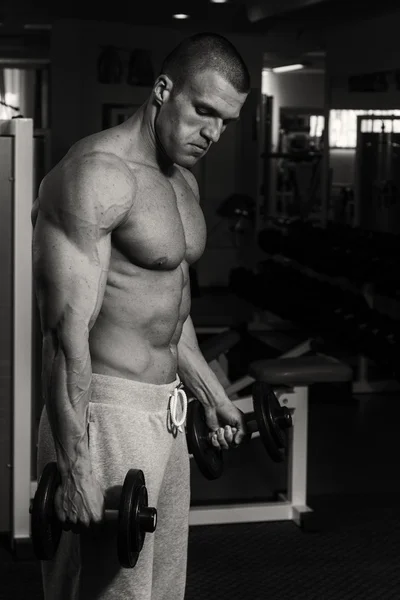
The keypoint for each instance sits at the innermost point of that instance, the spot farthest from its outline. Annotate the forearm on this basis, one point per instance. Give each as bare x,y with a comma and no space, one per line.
194,370
66,386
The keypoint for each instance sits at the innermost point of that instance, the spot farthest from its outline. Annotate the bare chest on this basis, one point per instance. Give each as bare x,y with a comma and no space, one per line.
166,225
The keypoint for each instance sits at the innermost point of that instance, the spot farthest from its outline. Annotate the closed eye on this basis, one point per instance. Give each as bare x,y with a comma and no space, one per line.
206,112
202,111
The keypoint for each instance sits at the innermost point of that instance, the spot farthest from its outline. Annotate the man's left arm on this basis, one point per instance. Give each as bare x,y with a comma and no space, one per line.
223,418
200,379
195,372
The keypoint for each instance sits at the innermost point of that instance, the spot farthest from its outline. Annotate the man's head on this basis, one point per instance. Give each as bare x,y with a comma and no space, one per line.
202,85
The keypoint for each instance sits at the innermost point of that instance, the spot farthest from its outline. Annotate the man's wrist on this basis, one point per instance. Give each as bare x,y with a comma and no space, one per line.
207,397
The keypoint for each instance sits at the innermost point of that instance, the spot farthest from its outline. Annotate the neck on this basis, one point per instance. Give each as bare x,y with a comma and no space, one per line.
145,139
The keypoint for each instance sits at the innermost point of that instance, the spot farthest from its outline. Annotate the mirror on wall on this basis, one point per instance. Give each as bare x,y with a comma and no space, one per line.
298,162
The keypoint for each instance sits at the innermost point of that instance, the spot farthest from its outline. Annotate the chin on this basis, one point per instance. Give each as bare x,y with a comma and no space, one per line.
186,161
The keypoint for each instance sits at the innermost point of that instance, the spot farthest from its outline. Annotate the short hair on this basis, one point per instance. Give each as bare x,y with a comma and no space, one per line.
203,51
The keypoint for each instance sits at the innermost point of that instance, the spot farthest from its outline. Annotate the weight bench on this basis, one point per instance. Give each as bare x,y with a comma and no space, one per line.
214,350
291,378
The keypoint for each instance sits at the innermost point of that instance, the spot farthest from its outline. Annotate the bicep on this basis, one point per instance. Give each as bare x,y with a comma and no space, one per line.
70,278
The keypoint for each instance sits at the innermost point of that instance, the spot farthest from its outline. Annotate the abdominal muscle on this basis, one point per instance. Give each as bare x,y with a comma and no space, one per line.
136,333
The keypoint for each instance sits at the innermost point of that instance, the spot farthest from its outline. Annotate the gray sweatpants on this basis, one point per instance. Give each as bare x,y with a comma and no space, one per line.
129,427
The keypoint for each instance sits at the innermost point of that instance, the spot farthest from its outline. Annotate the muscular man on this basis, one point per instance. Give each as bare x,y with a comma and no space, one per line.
117,223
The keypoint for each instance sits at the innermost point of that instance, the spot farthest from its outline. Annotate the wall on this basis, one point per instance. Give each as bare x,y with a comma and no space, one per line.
364,47
77,103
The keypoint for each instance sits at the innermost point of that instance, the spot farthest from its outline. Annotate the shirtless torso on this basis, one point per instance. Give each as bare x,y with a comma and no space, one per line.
117,223
152,236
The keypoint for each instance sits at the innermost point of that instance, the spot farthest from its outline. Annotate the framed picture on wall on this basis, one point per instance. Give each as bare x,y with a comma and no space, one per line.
115,114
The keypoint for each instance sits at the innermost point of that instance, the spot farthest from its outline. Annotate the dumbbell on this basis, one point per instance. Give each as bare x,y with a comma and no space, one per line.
269,418
134,518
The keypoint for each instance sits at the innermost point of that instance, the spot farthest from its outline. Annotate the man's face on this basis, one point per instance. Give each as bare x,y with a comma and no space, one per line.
190,121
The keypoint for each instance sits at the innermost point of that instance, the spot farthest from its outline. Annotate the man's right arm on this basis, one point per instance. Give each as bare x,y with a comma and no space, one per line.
79,207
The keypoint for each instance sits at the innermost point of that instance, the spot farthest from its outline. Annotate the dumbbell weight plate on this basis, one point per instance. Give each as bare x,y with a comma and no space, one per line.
272,420
208,458
131,534
46,529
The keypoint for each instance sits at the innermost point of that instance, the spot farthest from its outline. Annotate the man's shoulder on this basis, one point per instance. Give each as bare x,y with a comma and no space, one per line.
88,172
91,181
93,163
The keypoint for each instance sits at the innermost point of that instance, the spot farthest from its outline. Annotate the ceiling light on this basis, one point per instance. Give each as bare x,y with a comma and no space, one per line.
316,53
218,1
180,16
286,68
38,26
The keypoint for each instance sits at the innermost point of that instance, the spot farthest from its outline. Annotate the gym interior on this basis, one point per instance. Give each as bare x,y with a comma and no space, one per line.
296,294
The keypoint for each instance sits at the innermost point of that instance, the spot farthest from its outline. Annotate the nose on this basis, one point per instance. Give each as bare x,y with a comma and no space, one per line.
212,132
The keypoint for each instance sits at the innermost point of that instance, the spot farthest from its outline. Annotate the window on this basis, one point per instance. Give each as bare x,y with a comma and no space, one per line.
343,125
24,92
316,126
9,93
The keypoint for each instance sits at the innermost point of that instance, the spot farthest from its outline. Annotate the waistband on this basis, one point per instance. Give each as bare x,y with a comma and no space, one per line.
106,389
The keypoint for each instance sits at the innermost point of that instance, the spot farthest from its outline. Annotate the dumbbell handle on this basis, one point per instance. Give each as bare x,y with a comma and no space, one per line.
147,518
283,421
252,426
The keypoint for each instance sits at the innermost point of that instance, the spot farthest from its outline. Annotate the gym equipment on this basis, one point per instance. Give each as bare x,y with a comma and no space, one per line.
109,66
19,165
293,376
376,173
324,307
269,419
219,344
140,68
134,517
352,253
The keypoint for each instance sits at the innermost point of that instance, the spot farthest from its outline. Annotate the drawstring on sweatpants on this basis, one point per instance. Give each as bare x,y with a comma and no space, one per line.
178,393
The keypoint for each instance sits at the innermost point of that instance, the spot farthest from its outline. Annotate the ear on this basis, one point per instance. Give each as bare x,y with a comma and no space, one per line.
162,89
